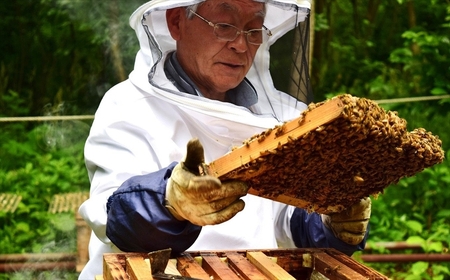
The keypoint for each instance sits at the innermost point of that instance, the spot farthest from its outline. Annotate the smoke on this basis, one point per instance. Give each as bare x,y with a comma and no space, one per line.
60,134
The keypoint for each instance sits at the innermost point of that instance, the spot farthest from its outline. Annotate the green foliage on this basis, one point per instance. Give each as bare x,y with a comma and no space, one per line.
391,50
51,57
37,163
37,175
44,275
407,59
417,209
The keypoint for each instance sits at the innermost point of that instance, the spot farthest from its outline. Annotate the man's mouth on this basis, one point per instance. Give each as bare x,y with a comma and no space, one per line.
232,65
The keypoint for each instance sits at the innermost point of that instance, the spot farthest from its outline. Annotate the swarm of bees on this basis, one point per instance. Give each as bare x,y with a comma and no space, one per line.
358,154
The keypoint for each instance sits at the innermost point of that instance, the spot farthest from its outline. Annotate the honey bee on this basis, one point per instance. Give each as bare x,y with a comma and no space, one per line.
280,130
358,179
247,143
267,132
261,138
290,139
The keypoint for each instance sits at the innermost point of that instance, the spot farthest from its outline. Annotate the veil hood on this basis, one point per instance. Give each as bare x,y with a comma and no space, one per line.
149,23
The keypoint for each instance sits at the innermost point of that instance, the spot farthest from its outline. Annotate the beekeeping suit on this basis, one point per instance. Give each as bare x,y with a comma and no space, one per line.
140,133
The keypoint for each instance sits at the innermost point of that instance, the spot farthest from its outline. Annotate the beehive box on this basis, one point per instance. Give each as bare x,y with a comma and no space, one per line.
337,152
283,264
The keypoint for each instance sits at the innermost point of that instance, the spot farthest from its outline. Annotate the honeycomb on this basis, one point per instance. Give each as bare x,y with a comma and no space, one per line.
332,166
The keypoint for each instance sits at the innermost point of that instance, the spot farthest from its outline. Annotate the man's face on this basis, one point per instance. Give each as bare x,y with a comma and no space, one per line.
213,64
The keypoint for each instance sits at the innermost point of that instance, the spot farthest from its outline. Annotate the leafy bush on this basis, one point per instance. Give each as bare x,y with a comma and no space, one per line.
37,175
37,165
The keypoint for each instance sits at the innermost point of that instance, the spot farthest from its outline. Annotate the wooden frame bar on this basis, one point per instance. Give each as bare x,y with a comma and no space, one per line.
252,150
249,265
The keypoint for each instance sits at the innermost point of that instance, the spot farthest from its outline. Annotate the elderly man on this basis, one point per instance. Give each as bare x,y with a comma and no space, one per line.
201,72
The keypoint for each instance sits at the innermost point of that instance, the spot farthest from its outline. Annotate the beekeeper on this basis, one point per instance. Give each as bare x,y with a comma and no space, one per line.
202,72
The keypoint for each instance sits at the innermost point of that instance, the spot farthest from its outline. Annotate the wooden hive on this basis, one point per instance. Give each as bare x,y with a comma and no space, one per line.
283,264
336,153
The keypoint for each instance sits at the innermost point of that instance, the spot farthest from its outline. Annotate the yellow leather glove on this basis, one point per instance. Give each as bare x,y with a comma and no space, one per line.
351,224
202,200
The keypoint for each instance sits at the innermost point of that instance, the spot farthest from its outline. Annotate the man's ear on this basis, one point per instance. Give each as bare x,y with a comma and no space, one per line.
173,19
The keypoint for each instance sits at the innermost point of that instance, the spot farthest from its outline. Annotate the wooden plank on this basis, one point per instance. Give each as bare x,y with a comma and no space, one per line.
356,266
292,129
273,264
216,268
243,267
272,270
292,259
138,269
187,266
67,202
334,269
112,268
403,258
9,202
172,267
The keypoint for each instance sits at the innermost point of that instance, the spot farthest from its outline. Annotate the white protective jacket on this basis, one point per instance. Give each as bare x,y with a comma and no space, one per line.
143,124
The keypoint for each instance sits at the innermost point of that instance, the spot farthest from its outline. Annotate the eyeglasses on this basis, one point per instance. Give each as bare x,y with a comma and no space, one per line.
228,32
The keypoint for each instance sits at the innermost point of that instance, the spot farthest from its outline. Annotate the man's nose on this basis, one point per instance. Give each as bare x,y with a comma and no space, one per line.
239,44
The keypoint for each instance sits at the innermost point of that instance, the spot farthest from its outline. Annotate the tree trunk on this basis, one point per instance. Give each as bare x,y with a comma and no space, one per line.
115,41
372,11
412,23
356,20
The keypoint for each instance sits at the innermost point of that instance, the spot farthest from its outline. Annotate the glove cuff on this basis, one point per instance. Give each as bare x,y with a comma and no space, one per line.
326,221
167,204
173,211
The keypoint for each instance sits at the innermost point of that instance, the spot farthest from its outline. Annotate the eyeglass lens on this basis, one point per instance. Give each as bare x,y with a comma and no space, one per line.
229,32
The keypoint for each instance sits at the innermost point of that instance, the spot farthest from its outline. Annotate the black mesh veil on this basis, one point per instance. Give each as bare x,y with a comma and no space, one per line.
300,84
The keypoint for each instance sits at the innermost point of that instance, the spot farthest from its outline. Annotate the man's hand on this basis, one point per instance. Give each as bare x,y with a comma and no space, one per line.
202,200
350,225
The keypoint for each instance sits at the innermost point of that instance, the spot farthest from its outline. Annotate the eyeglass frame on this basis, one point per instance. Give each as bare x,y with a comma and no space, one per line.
238,32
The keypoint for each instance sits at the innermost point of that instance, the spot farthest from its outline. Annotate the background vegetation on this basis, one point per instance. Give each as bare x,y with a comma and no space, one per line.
58,57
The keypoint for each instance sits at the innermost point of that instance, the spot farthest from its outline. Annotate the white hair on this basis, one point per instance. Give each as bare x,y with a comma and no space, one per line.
194,8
